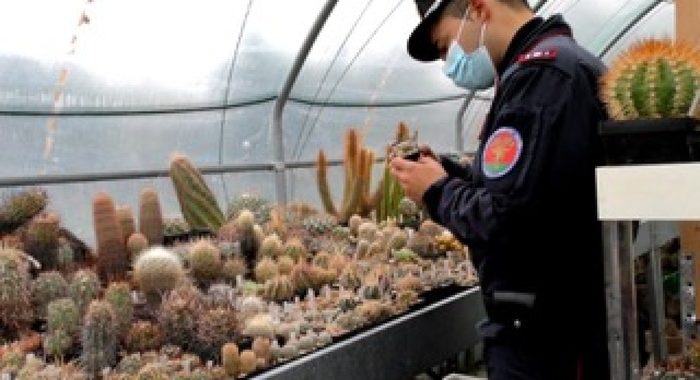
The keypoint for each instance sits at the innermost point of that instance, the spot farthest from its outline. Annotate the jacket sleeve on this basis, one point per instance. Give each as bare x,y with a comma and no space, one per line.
536,103
455,169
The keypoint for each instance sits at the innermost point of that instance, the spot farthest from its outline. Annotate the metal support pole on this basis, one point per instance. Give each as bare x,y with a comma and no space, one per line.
621,301
277,129
655,283
459,123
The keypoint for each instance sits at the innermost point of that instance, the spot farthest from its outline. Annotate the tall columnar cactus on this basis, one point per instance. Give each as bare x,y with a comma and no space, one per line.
83,288
17,209
15,302
249,241
112,258
158,270
150,216
392,192
358,163
126,220
98,338
47,287
118,294
654,78
197,202
41,240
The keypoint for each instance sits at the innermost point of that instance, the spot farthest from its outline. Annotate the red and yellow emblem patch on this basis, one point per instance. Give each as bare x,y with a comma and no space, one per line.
501,152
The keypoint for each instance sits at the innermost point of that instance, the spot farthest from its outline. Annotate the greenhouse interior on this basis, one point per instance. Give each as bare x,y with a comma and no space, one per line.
356,189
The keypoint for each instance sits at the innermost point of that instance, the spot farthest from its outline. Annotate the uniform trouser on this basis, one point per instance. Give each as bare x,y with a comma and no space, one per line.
533,357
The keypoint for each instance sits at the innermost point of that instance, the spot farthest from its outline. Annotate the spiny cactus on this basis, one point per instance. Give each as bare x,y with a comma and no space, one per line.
17,209
249,241
233,268
158,270
367,231
175,227
248,362
57,343
271,246
178,316
197,202
354,224
654,78
112,259
144,336
98,338
422,244
358,163
83,288
150,216
295,249
398,240
279,289
260,207
118,294
136,244
215,327
205,261
431,228
65,256
261,347
63,314
285,264
265,270
391,191
15,302
230,359
47,287
319,225
41,240
126,220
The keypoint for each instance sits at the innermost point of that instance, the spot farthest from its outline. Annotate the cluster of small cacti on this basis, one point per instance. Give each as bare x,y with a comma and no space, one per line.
197,202
260,207
319,225
173,227
41,240
654,78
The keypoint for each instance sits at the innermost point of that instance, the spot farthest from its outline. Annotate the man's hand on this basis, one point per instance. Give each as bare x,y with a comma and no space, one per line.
416,177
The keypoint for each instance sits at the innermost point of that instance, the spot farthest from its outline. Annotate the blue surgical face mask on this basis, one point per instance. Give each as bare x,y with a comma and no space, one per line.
472,71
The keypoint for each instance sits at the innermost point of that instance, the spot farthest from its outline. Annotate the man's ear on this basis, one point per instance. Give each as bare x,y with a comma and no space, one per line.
480,10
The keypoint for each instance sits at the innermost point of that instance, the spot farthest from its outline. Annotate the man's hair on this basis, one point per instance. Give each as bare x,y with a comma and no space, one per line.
457,8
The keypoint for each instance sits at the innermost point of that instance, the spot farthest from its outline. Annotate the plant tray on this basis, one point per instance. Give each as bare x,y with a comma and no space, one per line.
651,141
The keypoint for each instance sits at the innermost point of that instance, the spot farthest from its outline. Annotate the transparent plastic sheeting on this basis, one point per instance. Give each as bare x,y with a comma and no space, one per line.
127,55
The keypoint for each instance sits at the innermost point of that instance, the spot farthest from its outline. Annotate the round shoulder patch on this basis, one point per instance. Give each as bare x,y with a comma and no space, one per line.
502,152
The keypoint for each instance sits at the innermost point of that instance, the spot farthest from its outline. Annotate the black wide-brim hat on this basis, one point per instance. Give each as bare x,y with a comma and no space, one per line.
420,43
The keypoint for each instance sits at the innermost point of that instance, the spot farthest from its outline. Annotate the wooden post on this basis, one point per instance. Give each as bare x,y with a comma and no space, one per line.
687,25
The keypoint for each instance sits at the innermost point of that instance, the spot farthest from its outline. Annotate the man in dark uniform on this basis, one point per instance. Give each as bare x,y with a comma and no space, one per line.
526,208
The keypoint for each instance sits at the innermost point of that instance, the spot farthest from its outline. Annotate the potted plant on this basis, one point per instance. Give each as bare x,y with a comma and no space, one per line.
648,92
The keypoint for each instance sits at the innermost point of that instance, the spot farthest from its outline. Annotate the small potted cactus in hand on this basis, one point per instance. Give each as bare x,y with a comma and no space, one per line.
649,93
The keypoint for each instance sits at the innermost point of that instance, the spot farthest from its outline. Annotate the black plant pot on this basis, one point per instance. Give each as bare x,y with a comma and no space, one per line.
651,141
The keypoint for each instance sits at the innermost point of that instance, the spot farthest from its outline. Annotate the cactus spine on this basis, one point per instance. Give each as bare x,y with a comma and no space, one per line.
150,216
41,240
358,162
98,338
197,202
654,78
112,259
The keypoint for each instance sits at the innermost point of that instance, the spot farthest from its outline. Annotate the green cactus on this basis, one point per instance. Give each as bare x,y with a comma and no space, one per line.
112,258
47,287
65,256
144,336
158,270
215,328
260,207
63,314
205,261
15,297
655,78
41,240
178,316
57,343
98,338
126,220
19,208
150,216
197,202
295,249
83,288
404,255
118,294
